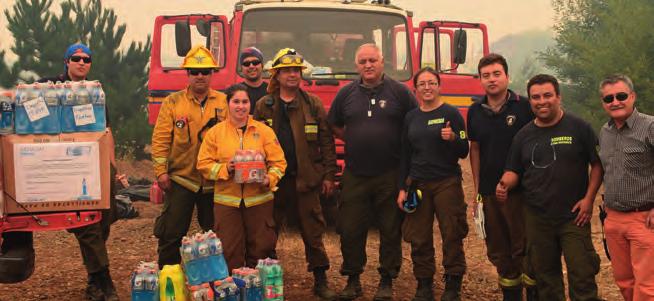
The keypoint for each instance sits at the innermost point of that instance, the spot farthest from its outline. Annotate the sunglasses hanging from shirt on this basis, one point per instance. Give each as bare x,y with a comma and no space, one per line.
621,96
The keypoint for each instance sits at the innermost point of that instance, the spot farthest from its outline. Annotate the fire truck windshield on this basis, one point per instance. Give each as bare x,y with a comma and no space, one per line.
328,39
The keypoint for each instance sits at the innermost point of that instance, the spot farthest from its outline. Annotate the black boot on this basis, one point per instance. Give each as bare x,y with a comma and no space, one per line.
352,290
320,287
452,288
93,291
425,290
512,293
385,289
106,285
532,293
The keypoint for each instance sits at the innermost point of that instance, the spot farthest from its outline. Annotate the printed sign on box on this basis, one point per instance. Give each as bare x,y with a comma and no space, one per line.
57,171
36,109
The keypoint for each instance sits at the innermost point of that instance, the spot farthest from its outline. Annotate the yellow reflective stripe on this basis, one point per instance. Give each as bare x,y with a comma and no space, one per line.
160,160
505,282
188,184
276,171
207,189
311,129
228,200
259,199
213,175
528,281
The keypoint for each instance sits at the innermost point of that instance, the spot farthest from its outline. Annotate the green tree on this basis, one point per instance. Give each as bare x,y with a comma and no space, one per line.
41,37
595,38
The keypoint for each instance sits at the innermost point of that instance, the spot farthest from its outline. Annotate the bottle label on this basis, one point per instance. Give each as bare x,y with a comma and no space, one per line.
83,114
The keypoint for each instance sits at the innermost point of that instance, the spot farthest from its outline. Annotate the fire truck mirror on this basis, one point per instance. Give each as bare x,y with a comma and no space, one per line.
204,27
460,46
182,37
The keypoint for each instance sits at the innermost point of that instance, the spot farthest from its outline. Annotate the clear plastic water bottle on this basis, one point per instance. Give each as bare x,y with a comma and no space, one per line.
6,114
186,250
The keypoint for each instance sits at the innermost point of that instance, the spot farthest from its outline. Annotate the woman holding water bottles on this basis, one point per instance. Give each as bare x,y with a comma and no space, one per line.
243,210
433,141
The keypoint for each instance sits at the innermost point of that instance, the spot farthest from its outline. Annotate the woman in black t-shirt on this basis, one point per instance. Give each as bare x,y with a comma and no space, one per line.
433,140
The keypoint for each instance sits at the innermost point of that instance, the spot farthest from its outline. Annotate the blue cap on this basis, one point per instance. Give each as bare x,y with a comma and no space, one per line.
76,48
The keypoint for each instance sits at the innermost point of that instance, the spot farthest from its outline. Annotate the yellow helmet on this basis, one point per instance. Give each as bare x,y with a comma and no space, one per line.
199,57
287,57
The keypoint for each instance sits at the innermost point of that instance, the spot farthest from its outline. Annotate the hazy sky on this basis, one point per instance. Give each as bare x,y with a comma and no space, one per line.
503,17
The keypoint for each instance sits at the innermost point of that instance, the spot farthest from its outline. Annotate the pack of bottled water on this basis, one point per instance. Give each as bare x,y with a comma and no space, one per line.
145,282
226,290
249,281
272,276
52,108
202,257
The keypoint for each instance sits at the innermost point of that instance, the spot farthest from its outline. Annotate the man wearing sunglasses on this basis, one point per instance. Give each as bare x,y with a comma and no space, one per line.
549,158
92,238
627,153
368,114
183,119
251,60
300,123
492,123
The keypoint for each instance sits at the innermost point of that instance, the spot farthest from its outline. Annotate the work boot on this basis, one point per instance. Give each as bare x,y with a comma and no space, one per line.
320,287
452,288
385,289
532,293
512,293
106,285
93,291
425,290
352,290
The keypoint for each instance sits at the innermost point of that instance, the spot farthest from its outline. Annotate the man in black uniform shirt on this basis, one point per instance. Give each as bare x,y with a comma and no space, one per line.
492,123
550,158
368,115
252,67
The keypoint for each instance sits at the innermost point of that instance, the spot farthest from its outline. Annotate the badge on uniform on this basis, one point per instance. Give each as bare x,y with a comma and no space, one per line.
510,120
180,122
382,104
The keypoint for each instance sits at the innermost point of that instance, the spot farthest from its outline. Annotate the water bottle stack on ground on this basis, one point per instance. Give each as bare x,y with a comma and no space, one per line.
249,282
202,255
226,290
272,276
145,282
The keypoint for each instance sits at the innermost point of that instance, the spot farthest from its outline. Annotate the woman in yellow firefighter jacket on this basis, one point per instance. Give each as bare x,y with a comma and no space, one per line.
243,212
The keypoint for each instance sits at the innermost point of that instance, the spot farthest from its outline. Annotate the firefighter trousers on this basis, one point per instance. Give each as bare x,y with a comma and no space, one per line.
505,240
443,199
248,234
302,209
175,219
365,200
547,239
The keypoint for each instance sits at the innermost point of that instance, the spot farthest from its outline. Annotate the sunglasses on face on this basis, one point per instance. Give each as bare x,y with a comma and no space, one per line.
253,63
196,72
621,96
76,59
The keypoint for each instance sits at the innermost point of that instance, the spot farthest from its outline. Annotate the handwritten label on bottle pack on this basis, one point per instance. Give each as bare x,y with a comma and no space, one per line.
83,114
36,109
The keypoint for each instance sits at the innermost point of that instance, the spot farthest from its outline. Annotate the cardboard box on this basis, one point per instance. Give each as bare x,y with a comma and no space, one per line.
53,173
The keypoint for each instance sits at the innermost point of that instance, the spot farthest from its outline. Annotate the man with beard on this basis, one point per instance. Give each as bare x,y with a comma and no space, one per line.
183,119
550,157
300,123
252,67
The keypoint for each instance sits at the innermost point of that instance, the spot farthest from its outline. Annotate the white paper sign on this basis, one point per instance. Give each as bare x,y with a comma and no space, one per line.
36,109
83,114
57,171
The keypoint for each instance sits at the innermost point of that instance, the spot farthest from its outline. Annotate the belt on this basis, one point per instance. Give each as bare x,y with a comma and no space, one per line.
646,207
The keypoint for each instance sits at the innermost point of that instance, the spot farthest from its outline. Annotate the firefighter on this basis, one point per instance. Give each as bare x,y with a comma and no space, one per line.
92,238
251,60
299,120
184,117
243,212
493,121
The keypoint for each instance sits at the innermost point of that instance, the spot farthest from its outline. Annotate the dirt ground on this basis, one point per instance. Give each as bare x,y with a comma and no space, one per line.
60,275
